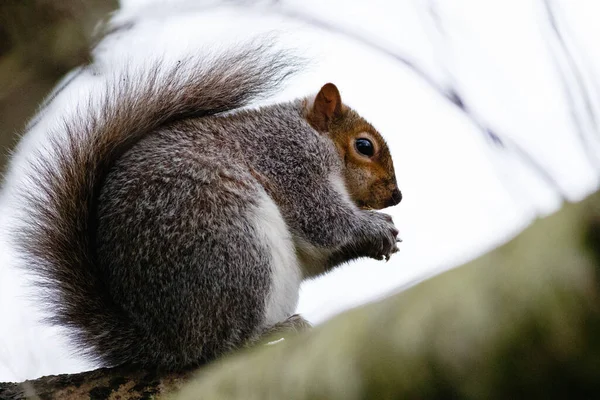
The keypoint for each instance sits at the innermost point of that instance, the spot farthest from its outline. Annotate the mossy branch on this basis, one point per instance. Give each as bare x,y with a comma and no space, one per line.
522,321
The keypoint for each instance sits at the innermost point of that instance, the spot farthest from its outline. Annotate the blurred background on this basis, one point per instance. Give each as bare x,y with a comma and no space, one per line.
40,41
491,110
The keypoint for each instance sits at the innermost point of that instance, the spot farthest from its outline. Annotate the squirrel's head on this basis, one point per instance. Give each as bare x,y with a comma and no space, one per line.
368,168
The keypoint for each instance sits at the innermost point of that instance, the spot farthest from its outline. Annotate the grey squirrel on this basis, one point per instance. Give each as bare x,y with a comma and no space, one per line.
171,227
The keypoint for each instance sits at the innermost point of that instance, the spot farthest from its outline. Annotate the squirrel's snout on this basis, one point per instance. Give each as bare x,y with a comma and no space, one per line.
395,198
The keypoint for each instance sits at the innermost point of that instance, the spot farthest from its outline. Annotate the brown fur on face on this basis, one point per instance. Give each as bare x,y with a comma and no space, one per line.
370,181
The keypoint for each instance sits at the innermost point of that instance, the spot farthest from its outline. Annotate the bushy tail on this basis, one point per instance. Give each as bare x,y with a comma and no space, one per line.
56,234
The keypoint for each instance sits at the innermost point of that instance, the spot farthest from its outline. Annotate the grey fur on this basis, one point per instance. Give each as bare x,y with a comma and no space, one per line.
144,234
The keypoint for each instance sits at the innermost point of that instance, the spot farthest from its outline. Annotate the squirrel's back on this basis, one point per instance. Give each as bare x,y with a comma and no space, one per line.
190,238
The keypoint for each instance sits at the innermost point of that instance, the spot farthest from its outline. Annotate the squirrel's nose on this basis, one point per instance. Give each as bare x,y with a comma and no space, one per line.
396,197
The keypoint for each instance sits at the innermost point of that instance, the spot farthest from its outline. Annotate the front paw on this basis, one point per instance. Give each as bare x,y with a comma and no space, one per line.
383,240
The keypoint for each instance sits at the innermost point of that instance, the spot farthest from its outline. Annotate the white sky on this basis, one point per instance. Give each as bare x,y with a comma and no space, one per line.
462,196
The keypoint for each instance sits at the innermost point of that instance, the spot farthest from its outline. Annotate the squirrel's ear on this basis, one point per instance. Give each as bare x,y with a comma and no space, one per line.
326,106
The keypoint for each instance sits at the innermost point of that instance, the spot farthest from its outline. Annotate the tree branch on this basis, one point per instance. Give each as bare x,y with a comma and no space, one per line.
105,383
520,322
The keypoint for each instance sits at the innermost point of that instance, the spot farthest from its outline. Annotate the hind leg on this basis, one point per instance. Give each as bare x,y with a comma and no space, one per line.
291,326
294,324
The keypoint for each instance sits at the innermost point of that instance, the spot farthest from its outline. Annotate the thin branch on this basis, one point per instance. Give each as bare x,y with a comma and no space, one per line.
588,147
448,93
492,136
549,6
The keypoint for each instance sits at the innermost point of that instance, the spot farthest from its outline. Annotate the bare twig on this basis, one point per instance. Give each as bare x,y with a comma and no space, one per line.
580,87
449,93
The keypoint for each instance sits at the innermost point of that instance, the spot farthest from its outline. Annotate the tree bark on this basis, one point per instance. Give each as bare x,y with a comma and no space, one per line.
104,383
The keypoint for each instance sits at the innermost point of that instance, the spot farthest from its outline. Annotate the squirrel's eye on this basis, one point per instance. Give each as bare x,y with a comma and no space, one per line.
364,147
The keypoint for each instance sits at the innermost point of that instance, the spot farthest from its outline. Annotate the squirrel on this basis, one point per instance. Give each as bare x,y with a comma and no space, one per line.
174,224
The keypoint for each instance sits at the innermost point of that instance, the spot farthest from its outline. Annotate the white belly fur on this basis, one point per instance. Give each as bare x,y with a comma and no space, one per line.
285,271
